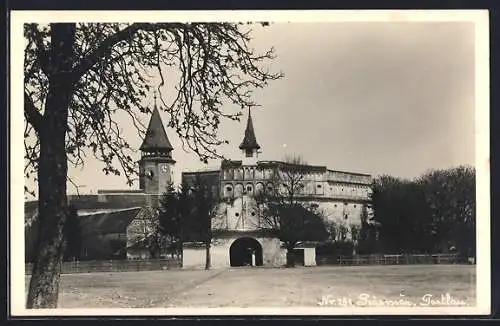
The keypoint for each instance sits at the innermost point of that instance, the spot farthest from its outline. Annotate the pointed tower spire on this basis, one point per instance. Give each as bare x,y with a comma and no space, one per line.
156,163
156,139
249,143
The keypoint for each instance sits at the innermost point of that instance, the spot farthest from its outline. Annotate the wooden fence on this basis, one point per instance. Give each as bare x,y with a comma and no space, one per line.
163,264
114,266
392,260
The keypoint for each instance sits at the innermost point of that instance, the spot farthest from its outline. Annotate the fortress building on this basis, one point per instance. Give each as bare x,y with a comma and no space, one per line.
114,221
240,239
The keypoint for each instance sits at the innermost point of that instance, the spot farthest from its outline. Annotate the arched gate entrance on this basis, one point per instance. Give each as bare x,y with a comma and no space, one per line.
245,251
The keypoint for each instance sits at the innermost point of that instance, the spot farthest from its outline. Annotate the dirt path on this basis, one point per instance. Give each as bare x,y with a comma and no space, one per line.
262,287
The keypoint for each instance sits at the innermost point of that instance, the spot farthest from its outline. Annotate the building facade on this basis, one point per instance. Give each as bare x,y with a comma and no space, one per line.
239,236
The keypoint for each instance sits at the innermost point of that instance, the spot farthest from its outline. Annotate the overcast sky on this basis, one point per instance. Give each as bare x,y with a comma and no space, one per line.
368,97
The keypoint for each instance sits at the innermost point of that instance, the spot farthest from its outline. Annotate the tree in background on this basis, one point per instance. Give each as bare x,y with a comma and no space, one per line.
73,236
354,230
185,214
118,248
400,209
205,201
170,220
368,234
431,214
450,196
144,232
333,230
291,220
77,76
293,224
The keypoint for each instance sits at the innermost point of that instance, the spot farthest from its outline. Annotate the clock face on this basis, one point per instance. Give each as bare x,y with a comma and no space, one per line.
163,168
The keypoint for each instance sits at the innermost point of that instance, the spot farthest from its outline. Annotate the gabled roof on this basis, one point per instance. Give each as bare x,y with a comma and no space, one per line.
156,138
249,141
110,201
109,222
145,213
90,204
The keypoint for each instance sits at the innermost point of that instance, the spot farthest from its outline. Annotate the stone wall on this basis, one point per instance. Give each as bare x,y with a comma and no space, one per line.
273,254
342,212
194,256
309,256
219,252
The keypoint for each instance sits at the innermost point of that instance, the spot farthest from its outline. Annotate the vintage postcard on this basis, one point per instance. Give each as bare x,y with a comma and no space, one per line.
249,163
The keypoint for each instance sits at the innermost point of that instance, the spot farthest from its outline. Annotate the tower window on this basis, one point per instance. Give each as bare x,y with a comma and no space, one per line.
248,153
249,188
319,186
229,188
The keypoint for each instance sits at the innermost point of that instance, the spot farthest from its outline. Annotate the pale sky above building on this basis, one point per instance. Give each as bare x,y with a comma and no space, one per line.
367,97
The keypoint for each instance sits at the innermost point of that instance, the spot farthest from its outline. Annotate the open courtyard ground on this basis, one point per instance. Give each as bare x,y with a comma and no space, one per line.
271,287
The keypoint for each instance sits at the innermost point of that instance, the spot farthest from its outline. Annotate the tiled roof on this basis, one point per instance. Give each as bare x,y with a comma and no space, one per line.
91,205
109,222
108,201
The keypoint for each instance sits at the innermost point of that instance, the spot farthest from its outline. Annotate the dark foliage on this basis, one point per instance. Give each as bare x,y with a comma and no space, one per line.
432,214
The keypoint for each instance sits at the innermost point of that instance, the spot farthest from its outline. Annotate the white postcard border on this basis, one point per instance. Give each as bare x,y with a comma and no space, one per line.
479,17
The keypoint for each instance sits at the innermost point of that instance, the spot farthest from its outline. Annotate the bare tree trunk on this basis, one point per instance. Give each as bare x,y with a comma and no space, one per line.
52,173
180,252
290,258
290,255
207,255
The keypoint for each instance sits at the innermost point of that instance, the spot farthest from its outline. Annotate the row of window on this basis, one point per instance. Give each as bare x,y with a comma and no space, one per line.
348,177
256,174
345,204
249,188
238,214
253,173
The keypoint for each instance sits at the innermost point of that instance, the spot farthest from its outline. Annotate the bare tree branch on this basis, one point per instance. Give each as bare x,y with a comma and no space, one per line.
42,53
31,113
106,46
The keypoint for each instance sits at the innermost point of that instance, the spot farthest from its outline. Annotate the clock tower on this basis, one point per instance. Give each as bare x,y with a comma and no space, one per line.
156,163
